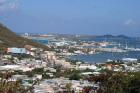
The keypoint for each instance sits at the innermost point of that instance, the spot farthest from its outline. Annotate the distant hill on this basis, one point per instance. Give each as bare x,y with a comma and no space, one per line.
113,36
10,39
104,36
123,36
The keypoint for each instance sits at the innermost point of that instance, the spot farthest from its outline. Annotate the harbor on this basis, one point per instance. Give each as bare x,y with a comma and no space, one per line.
97,50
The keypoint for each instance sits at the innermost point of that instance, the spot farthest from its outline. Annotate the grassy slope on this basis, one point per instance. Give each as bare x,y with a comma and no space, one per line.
10,39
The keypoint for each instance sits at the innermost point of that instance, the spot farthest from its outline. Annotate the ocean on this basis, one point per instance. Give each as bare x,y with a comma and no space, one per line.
104,56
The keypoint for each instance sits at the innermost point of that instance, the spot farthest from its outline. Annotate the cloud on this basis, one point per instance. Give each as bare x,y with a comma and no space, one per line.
129,22
8,5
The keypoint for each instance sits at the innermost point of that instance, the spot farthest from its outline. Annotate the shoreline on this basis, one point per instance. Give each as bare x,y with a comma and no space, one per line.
103,57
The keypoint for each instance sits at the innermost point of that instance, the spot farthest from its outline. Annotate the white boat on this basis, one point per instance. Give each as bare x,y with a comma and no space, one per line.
131,49
109,60
129,59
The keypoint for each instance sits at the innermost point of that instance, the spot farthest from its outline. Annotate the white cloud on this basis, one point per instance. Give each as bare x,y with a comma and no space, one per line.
2,1
8,5
130,22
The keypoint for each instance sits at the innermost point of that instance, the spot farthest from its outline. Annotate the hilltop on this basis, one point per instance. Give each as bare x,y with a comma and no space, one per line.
10,39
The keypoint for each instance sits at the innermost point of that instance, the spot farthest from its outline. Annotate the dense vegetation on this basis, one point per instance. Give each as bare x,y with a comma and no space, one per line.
10,39
117,82
9,86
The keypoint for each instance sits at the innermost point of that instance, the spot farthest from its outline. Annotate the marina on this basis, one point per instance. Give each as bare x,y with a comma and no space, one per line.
108,48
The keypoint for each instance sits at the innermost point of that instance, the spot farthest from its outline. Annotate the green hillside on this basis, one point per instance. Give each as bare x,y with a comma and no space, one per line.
10,39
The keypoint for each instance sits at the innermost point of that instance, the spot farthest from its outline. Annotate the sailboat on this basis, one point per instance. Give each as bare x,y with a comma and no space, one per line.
131,49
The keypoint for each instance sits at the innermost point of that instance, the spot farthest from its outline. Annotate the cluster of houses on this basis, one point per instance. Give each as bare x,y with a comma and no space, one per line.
62,85
48,60
28,49
59,85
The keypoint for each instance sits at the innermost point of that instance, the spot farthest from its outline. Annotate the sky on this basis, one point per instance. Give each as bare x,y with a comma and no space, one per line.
97,17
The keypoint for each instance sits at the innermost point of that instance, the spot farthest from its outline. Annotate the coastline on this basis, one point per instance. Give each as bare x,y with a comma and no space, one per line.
104,56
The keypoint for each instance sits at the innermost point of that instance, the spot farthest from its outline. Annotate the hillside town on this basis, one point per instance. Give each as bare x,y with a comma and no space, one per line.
69,46
56,74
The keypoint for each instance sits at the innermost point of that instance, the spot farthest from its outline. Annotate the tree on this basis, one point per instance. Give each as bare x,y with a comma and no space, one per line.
7,86
68,87
75,76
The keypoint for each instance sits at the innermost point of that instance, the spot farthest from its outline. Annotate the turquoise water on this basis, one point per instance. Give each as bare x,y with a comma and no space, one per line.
45,41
